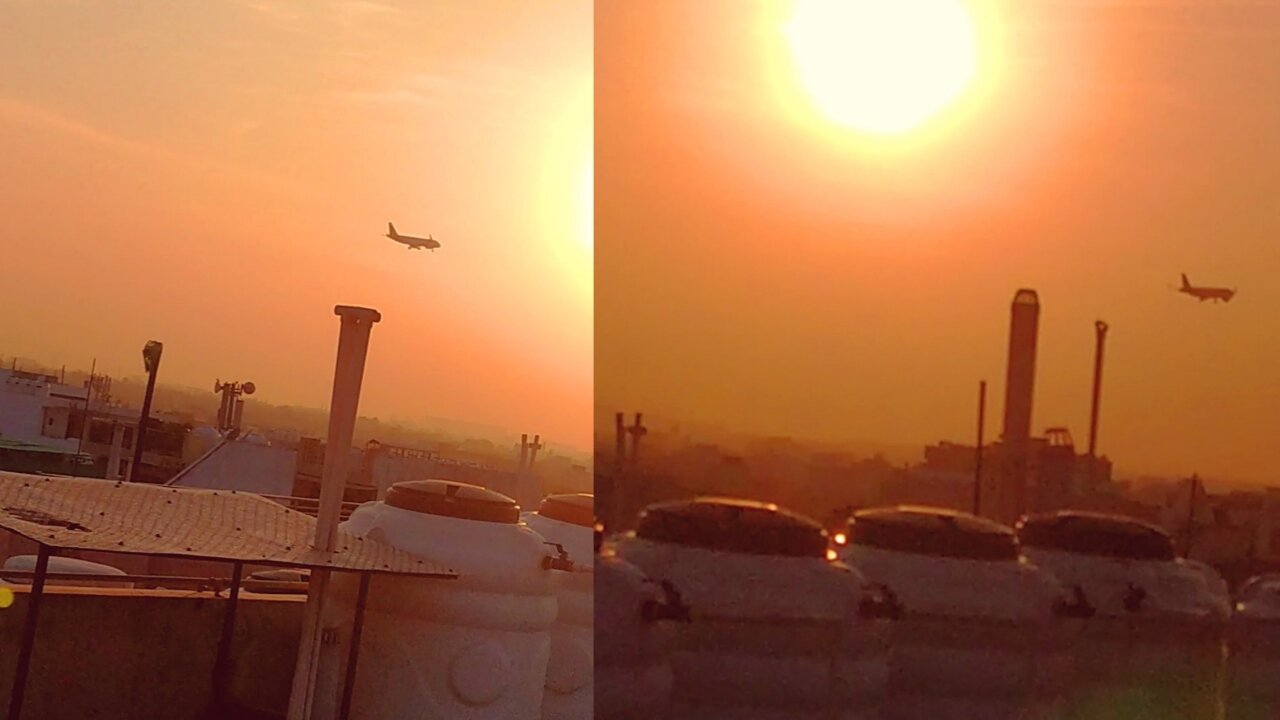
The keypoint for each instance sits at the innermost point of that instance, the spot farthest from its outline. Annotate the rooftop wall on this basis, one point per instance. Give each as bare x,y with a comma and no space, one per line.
145,654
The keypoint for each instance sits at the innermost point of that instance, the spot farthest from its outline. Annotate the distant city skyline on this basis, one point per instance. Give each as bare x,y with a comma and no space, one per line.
766,269
132,384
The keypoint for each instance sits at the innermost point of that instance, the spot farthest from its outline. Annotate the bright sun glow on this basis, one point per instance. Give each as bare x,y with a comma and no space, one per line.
882,66
586,204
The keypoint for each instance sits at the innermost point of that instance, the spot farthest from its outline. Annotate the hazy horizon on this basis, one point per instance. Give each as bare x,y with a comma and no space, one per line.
133,384
218,177
765,269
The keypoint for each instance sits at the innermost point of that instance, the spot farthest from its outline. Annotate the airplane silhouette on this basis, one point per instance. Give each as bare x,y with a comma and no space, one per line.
1205,293
410,242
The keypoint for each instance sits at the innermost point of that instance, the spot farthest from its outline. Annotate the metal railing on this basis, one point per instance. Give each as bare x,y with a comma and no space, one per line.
215,585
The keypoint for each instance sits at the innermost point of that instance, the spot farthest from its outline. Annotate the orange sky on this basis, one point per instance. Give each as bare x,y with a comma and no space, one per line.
766,270
218,176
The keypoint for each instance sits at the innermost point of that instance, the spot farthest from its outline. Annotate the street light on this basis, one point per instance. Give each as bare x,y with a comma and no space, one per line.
151,361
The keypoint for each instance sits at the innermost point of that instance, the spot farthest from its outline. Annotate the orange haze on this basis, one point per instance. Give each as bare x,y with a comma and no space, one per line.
769,271
218,176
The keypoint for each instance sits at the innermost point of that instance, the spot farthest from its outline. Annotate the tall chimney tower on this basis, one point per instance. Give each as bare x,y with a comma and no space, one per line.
1019,388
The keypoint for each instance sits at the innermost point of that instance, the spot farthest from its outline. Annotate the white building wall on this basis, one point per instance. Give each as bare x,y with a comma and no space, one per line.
28,404
21,412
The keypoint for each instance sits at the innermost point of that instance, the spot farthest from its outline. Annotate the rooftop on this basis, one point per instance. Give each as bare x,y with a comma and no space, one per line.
142,519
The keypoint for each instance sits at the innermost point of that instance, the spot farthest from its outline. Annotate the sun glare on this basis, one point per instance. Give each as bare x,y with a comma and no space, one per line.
586,204
882,66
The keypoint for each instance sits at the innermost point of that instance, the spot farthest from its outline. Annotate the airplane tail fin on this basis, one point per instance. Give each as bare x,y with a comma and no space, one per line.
391,229
1185,282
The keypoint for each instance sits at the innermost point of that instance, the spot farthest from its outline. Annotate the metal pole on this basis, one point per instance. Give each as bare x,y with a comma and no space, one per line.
353,348
84,422
1100,328
637,431
977,460
620,447
222,410
353,655
1191,513
348,374
222,666
19,691
151,355
534,447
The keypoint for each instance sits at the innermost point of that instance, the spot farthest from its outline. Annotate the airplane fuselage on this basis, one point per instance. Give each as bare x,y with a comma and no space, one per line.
415,243
1214,294
1206,293
411,242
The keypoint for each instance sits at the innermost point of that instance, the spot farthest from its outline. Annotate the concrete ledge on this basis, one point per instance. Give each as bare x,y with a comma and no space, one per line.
148,654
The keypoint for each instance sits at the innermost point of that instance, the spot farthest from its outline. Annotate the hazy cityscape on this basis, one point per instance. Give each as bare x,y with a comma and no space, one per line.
186,418
925,369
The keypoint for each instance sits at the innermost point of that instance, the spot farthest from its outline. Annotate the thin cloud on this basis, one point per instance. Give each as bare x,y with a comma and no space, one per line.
429,90
14,111
351,9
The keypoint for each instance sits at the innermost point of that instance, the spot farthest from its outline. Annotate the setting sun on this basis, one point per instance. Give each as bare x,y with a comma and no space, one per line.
882,66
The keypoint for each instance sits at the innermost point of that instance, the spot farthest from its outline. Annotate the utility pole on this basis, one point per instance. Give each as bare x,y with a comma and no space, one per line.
231,411
620,436
1100,328
528,495
637,431
84,421
534,447
977,460
1191,513
151,360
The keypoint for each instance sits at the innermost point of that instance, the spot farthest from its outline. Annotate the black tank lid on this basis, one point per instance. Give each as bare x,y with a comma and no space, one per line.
576,509
933,531
454,499
739,526
1096,534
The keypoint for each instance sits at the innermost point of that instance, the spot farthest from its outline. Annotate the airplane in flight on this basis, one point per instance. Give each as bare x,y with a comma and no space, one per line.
410,242
1205,293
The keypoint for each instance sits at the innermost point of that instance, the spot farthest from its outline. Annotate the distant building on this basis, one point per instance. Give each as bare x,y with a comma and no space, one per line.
376,467
38,409
1056,477
242,464
45,415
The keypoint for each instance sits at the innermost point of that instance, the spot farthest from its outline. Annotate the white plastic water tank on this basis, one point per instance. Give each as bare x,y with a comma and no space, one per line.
476,647
66,565
1253,691
776,627
980,632
633,642
1215,582
1156,644
566,522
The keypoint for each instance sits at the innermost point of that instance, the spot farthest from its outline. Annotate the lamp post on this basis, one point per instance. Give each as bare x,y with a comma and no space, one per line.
151,360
